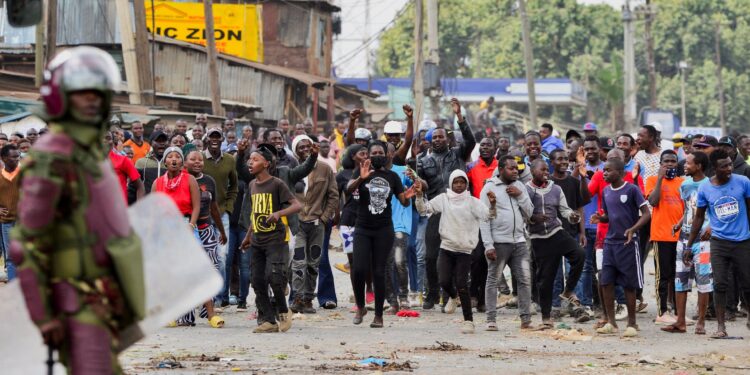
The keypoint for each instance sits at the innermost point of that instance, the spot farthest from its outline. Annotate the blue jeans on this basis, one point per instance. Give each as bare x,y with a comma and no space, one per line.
226,257
416,253
10,268
236,235
584,289
326,287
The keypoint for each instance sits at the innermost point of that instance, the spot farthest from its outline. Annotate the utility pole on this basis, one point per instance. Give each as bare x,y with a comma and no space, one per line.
629,68
129,57
418,64
145,67
433,58
51,42
213,70
367,46
717,45
650,11
683,68
528,55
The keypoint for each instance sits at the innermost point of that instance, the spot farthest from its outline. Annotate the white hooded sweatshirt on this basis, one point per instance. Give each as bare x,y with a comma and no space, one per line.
461,215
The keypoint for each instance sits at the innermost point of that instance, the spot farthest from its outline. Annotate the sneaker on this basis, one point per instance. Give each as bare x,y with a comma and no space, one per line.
428,305
297,306
242,306
266,327
491,326
583,315
369,298
640,307
329,305
555,315
621,313
450,307
285,321
665,319
512,303
467,327
404,304
503,300
308,308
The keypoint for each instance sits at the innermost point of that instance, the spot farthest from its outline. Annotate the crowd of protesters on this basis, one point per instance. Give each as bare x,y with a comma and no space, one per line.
435,216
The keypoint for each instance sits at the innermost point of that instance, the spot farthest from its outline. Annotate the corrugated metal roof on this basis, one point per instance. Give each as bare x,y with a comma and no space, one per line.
306,78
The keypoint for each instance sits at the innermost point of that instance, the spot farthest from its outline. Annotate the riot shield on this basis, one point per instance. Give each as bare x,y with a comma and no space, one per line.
178,276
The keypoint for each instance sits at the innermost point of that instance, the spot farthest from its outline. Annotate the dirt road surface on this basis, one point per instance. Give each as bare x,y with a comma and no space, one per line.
328,342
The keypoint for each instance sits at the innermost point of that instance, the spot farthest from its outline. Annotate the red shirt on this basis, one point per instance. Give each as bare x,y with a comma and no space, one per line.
178,189
478,172
596,186
124,169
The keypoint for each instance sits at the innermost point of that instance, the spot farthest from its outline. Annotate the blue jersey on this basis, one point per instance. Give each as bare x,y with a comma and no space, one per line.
622,206
726,208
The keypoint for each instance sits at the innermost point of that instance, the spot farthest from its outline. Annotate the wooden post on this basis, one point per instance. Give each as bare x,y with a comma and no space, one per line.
528,55
316,103
418,65
213,70
129,57
39,60
145,68
51,29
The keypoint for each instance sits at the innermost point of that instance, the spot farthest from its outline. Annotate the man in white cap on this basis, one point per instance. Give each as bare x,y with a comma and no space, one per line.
319,196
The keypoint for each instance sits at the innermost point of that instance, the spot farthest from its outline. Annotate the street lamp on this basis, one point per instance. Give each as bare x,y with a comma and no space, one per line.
683,65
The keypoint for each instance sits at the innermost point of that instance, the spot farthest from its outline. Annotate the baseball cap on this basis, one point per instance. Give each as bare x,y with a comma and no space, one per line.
727,140
393,127
572,133
707,141
606,143
158,134
656,125
589,126
214,131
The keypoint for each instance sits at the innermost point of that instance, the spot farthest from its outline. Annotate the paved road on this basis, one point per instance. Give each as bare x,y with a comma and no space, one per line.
327,342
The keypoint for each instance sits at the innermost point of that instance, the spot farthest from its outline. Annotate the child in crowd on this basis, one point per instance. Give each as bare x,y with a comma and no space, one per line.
459,235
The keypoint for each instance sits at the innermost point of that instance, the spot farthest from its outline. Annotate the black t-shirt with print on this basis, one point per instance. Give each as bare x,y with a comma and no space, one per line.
374,207
349,211
207,188
571,187
266,198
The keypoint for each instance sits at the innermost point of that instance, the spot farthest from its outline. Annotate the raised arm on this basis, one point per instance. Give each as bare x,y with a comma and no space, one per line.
469,141
243,172
406,144
353,116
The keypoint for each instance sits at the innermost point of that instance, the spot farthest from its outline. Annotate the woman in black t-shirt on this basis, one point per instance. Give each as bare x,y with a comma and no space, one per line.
373,227
210,230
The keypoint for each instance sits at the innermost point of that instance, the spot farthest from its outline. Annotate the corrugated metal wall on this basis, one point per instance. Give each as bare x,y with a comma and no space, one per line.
78,22
184,71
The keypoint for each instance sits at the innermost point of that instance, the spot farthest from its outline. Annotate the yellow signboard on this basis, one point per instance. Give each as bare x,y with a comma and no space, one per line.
238,29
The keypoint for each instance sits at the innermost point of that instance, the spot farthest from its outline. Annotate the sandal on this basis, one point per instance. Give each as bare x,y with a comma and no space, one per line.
673,329
608,329
216,321
719,335
600,324
700,330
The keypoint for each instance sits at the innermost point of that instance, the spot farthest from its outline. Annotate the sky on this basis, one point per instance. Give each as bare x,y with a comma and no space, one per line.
349,58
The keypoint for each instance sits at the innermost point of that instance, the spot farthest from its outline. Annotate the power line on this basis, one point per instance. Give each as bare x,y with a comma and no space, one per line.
351,54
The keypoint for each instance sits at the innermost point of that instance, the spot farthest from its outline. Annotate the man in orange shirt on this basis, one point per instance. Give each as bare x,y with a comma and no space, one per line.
663,191
137,143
